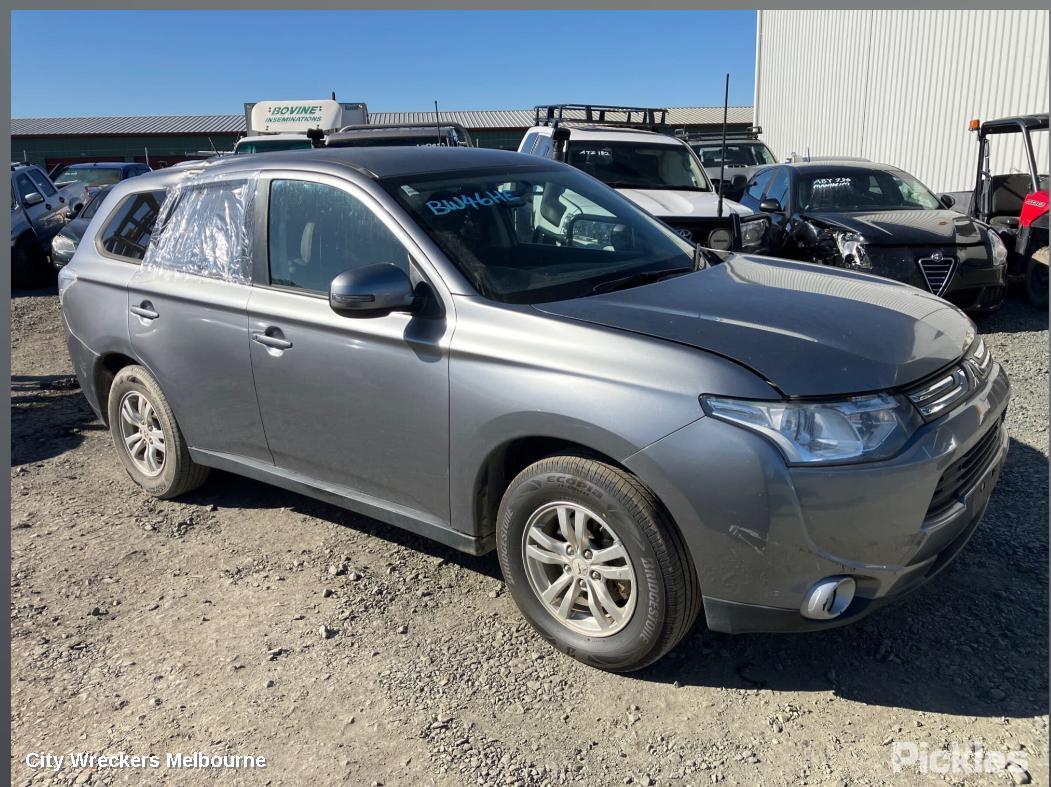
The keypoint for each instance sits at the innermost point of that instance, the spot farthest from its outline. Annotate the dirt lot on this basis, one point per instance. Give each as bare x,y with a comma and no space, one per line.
247,620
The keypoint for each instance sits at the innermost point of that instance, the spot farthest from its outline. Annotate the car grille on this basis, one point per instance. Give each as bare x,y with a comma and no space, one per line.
937,397
963,474
937,272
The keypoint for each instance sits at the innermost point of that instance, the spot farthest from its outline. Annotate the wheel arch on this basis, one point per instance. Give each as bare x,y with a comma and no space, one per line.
106,367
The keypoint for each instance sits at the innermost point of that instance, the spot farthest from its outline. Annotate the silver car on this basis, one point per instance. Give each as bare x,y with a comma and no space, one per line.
497,351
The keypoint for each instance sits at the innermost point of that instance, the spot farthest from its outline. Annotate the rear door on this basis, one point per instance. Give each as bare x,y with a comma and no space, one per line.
188,318
360,405
38,215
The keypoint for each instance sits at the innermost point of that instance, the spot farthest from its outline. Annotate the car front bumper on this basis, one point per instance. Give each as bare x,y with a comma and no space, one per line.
761,534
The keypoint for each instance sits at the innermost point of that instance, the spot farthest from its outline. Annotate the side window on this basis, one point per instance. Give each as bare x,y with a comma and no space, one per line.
317,231
528,142
753,193
545,146
204,229
24,186
41,182
127,233
779,188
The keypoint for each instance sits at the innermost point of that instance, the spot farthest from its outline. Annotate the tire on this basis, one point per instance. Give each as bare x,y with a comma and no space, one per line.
656,608
1036,282
176,473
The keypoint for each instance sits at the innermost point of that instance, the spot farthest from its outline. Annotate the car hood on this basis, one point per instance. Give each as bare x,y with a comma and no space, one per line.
904,227
809,331
681,204
75,229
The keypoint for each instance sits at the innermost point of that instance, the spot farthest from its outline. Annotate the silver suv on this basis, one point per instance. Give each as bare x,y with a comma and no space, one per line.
641,427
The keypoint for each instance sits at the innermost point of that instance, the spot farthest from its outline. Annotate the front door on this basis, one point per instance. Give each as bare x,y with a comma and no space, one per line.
358,405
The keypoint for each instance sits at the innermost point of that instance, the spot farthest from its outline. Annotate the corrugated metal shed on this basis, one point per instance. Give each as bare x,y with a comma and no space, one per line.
233,124
900,86
127,125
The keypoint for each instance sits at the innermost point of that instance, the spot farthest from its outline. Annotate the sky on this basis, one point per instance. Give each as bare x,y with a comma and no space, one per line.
211,62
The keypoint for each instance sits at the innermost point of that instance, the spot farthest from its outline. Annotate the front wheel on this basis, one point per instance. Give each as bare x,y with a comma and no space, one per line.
147,438
1036,280
595,563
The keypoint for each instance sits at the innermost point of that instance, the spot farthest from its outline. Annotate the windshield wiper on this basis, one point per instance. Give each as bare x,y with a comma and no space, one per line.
638,279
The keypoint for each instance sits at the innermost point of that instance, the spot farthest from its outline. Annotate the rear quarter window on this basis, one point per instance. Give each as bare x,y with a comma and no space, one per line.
130,226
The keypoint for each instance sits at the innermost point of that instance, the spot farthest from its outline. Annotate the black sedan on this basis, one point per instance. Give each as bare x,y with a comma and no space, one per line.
880,220
65,243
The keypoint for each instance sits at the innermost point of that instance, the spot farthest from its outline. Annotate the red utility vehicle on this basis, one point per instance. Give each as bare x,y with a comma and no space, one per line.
1015,204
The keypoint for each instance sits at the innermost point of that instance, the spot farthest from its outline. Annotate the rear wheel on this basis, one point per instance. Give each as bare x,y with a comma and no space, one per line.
595,563
1036,279
147,438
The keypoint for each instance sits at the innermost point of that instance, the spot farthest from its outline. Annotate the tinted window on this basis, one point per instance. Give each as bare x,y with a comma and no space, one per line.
42,184
93,205
779,188
127,234
755,188
24,186
318,231
739,154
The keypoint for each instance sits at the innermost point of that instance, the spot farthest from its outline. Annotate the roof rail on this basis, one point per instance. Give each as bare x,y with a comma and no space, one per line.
649,118
751,132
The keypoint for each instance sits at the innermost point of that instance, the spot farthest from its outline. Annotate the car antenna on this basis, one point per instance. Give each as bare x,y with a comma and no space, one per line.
146,150
722,155
437,123
216,152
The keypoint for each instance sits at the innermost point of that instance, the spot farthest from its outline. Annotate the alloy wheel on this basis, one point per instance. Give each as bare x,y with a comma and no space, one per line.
579,569
142,433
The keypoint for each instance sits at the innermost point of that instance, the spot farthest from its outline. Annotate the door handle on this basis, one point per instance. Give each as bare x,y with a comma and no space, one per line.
277,342
145,311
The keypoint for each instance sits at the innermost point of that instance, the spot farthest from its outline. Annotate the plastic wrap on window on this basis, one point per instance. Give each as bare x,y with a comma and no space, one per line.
203,229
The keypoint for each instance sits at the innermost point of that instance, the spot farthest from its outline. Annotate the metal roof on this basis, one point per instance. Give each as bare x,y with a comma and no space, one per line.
130,125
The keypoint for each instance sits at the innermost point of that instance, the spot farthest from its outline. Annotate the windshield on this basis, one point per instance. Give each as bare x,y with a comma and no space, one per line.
860,190
738,154
89,176
270,145
377,141
539,235
639,165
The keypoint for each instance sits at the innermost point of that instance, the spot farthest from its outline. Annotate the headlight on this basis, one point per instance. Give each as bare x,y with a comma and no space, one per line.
852,249
752,232
998,249
63,245
858,429
720,240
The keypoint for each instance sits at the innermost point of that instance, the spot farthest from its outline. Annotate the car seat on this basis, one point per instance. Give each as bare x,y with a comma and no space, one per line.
1007,193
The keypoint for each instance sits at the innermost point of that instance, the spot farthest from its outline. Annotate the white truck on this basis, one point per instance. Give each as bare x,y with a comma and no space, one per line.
625,148
292,125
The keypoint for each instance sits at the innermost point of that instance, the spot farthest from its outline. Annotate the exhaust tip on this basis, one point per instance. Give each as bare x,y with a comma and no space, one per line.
829,598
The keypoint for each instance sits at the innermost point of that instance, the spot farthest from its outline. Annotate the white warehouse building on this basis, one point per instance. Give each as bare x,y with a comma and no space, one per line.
899,87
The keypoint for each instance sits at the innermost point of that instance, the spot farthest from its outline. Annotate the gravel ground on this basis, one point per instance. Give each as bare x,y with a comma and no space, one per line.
248,620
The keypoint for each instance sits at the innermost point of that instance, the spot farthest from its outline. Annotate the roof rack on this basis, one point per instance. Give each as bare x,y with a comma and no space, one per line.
751,133
649,118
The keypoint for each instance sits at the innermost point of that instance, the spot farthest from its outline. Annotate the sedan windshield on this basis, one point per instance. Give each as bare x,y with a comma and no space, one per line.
861,190
88,176
738,154
540,235
640,165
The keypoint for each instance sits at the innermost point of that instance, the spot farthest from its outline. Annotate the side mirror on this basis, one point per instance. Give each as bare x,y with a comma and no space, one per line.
32,198
74,211
771,206
947,200
371,291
